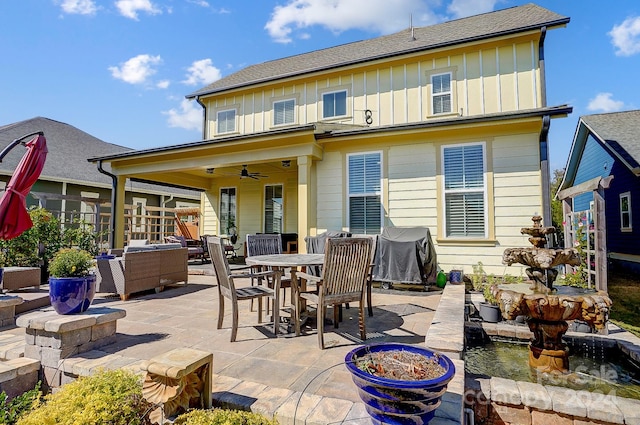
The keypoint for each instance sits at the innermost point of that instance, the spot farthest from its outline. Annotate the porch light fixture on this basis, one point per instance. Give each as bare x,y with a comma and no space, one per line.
286,164
209,170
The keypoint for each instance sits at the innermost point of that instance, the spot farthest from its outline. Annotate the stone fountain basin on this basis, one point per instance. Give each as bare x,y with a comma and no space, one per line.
541,258
591,307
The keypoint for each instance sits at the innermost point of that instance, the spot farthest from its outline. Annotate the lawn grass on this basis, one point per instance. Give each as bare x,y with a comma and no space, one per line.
624,291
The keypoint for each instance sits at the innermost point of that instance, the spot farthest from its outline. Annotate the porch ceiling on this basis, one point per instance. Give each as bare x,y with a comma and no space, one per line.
191,165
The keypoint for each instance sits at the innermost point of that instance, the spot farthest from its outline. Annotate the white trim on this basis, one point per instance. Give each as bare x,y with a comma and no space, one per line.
628,196
235,121
498,85
420,91
516,86
391,103
466,85
481,78
533,75
443,94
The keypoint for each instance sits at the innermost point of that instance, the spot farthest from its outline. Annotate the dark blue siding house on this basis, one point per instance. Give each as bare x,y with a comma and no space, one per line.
608,145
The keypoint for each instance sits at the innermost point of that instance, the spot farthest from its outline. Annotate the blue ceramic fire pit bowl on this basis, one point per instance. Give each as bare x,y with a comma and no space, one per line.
391,401
70,295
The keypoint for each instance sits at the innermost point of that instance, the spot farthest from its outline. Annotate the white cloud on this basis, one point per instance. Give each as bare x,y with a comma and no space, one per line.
199,3
136,70
187,116
202,72
163,84
603,102
626,37
464,8
382,16
79,7
130,8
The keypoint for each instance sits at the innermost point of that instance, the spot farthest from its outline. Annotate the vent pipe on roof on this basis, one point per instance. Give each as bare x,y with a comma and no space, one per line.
413,38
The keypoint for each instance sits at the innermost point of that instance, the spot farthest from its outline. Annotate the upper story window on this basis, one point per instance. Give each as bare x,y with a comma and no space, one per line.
464,191
226,121
365,194
625,212
284,112
441,93
334,104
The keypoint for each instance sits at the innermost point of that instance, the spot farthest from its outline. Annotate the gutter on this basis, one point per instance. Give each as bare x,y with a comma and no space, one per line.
543,81
112,218
545,171
204,117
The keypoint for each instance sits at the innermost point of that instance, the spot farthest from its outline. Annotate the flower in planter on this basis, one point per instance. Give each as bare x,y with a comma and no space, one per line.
69,262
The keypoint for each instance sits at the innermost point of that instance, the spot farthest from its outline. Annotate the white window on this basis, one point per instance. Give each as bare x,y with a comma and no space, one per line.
464,191
441,93
227,210
284,112
273,209
334,104
365,194
226,121
625,211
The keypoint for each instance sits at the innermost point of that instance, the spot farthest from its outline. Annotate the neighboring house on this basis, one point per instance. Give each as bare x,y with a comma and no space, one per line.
443,126
606,153
73,188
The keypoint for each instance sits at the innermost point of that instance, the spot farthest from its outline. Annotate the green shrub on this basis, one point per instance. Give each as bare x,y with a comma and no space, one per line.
108,397
11,410
223,417
70,262
36,246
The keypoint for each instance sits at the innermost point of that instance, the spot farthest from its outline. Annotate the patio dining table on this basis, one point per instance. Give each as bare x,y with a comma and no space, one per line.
292,262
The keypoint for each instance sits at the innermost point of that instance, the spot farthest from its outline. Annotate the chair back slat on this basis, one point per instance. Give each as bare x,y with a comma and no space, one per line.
221,267
265,244
346,267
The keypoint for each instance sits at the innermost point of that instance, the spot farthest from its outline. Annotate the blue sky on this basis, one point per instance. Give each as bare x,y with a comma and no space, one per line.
120,69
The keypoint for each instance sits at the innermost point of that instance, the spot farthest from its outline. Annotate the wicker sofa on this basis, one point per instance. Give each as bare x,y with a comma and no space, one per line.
141,268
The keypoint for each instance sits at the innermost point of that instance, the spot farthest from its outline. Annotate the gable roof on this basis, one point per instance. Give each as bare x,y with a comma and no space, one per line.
618,132
69,148
478,27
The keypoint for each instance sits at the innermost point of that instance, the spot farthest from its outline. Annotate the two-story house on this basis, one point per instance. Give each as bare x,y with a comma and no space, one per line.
442,126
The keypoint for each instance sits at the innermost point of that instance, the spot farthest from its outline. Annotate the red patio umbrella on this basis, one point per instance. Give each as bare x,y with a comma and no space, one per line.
14,218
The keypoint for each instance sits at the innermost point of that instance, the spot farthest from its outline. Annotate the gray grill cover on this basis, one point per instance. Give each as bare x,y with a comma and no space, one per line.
405,255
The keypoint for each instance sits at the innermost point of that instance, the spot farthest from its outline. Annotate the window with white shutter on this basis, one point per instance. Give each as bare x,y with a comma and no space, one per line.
365,192
284,112
464,191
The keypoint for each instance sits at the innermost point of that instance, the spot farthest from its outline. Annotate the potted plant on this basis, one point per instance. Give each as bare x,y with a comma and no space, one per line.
399,383
489,310
72,285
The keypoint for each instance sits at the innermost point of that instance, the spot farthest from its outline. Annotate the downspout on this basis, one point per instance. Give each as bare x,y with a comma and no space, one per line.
544,171
112,218
543,84
204,117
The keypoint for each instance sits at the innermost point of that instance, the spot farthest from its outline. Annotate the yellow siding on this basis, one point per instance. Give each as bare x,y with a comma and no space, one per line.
329,174
507,80
490,82
475,102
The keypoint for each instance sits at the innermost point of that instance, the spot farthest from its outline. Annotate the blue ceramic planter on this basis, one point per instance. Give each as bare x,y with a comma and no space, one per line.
70,295
391,401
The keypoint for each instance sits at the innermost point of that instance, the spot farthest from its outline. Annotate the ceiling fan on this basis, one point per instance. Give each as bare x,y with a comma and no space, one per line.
246,174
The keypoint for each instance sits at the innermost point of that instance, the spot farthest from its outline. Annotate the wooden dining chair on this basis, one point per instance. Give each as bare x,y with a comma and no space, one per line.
344,278
227,288
266,244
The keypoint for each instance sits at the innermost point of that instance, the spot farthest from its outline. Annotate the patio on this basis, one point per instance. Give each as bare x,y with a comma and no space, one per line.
289,376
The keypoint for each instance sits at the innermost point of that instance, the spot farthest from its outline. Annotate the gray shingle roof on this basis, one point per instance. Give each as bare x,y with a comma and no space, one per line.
621,131
506,21
69,148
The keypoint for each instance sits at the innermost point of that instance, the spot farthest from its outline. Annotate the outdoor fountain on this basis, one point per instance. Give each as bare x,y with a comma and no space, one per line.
547,311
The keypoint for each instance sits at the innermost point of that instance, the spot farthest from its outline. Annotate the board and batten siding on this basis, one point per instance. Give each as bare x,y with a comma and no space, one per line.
487,79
